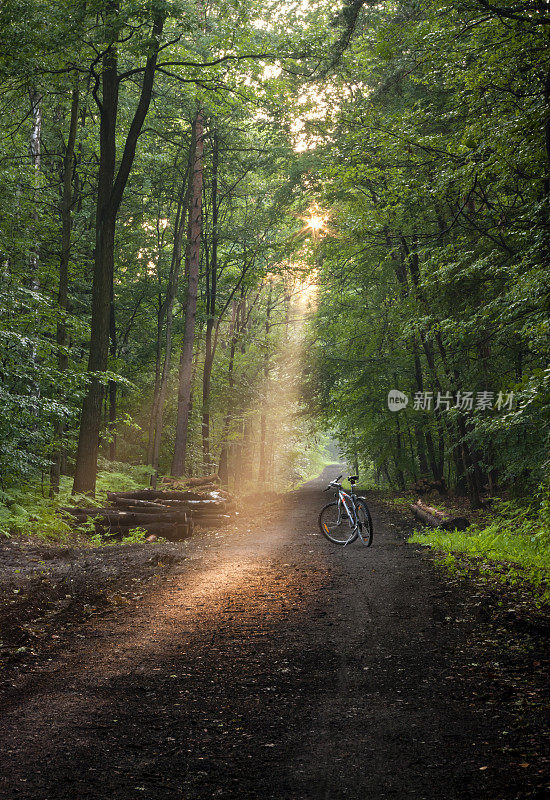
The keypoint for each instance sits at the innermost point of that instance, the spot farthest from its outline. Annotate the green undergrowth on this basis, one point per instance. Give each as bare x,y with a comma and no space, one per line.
28,512
510,545
135,536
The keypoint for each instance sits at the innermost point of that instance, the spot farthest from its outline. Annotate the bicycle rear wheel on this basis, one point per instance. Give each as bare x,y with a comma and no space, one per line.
365,521
334,525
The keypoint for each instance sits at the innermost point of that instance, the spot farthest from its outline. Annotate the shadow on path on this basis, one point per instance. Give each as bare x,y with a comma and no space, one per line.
269,664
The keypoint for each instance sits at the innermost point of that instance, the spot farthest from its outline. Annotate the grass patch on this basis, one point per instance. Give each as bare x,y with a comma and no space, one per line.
510,546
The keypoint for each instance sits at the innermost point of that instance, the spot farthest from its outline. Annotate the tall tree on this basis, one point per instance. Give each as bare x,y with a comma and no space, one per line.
111,185
192,263
63,291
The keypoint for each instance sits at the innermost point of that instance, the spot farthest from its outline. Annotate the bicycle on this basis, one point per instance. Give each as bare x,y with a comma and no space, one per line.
348,508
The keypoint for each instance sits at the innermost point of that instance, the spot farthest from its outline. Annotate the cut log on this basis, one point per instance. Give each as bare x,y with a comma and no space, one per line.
82,513
198,513
173,533
129,520
211,504
167,513
173,507
433,511
425,516
123,502
153,509
438,519
153,494
211,522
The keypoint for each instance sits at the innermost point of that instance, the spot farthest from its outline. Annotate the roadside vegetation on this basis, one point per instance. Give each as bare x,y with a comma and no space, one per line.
29,512
509,544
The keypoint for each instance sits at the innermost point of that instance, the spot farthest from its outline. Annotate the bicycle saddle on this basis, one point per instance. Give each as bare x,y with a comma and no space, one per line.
353,479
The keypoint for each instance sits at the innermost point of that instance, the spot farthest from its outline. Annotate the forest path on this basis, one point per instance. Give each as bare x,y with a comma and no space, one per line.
268,664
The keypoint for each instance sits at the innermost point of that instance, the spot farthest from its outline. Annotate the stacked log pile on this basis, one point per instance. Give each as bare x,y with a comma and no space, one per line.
172,514
438,519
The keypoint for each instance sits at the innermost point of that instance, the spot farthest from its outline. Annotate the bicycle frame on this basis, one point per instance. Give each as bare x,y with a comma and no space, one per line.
342,497
350,511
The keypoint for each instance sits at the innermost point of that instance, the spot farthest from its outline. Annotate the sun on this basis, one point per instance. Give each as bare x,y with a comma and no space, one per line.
316,223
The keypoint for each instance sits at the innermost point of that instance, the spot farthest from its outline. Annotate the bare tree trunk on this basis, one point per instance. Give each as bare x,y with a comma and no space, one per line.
156,387
63,292
193,261
397,456
112,384
211,311
223,470
263,421
35,154
170,299
109,196
36,159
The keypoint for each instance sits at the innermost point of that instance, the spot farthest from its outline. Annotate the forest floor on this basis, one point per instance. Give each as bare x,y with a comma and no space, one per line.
263,662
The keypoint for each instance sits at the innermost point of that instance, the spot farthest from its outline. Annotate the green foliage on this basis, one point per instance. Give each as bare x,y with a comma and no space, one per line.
116,476
515,539
27,512
430,161
436,276
134,536
50,52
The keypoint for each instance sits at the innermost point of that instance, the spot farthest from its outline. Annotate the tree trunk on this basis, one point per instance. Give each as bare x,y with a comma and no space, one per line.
158,358
63,292
170,299
211,310
36,158
263,421
397,457
109,196
223,470
112,384
193,261
88,440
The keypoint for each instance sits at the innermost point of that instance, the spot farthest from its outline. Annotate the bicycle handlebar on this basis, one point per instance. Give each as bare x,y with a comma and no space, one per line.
335,485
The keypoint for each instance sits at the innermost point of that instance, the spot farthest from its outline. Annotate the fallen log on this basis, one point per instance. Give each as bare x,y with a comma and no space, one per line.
136,503
212,522
153,494
128,519
172,532
82,513
153,509
171,512
438,519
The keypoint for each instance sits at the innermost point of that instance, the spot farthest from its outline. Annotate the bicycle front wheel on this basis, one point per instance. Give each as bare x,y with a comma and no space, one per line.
334,525
365,521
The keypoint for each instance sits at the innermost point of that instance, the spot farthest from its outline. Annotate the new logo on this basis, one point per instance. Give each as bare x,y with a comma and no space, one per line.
397,400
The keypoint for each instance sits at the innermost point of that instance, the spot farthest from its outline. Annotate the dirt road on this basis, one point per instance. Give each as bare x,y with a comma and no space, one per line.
269,664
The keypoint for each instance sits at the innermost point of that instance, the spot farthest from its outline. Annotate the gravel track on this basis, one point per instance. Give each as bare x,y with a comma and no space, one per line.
268,663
